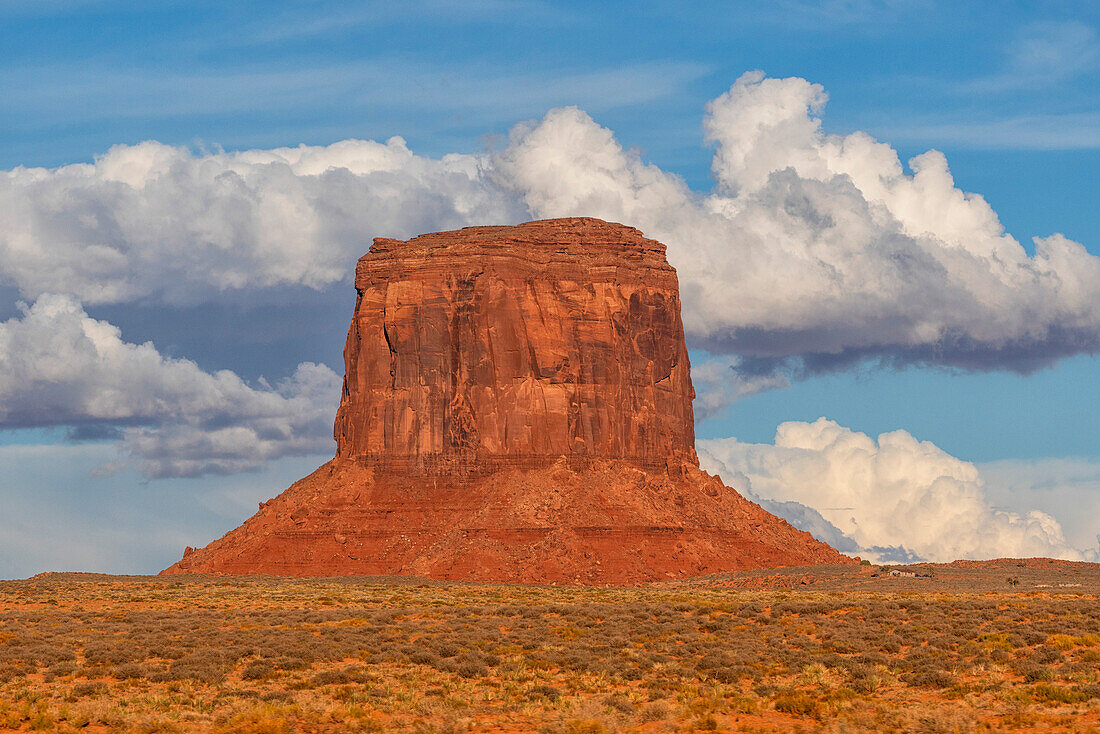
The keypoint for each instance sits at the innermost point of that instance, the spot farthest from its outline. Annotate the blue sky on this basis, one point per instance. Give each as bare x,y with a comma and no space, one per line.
1008,92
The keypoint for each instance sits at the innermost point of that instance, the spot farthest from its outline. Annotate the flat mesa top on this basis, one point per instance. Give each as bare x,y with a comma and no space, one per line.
567,231
552,248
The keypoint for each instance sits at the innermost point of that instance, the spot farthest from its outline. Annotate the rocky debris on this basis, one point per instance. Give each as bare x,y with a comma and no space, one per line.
516,407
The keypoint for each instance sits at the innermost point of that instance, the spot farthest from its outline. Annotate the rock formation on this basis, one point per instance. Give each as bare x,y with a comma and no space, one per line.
516,407
496,344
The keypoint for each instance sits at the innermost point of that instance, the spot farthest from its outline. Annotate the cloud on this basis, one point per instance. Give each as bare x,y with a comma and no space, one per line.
815,251
721,382
860,16
1068,488
1056,50
1065,131
321,20
152,220
1041,55
812,253
473,97
60,367
891,496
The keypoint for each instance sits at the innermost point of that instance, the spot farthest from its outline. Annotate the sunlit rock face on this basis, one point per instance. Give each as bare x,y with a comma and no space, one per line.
516,407
549,339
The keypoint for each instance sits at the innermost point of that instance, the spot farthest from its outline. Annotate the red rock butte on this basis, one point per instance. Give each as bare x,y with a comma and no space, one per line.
516,408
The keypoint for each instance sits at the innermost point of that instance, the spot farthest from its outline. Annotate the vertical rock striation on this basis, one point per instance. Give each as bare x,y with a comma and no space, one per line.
504,344
516,407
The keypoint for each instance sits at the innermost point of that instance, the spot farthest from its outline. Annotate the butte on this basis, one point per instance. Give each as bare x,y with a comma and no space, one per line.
516,408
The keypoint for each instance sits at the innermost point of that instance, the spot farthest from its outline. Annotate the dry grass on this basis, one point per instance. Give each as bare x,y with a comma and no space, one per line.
276,655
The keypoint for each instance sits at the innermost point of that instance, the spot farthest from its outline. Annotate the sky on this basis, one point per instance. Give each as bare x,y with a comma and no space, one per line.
882,215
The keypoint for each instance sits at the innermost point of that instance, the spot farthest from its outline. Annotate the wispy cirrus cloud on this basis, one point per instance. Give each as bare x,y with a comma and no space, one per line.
478,93
1067,131
1040,55
1040,95
335,20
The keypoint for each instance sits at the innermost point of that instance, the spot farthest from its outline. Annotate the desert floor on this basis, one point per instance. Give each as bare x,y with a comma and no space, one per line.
1004,645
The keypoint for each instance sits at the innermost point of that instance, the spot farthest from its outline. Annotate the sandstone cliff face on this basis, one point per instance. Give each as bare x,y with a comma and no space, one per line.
516,407
559,338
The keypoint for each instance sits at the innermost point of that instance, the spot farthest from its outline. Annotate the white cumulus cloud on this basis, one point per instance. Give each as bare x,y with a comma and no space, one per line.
891,493
60,367
816,251
152,220
811,253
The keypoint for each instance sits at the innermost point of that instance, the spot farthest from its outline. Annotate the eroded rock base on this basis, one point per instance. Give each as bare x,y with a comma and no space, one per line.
605,522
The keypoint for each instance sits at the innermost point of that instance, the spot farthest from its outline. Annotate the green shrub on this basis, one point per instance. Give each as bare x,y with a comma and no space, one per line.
1046,693
1033,672
798,703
